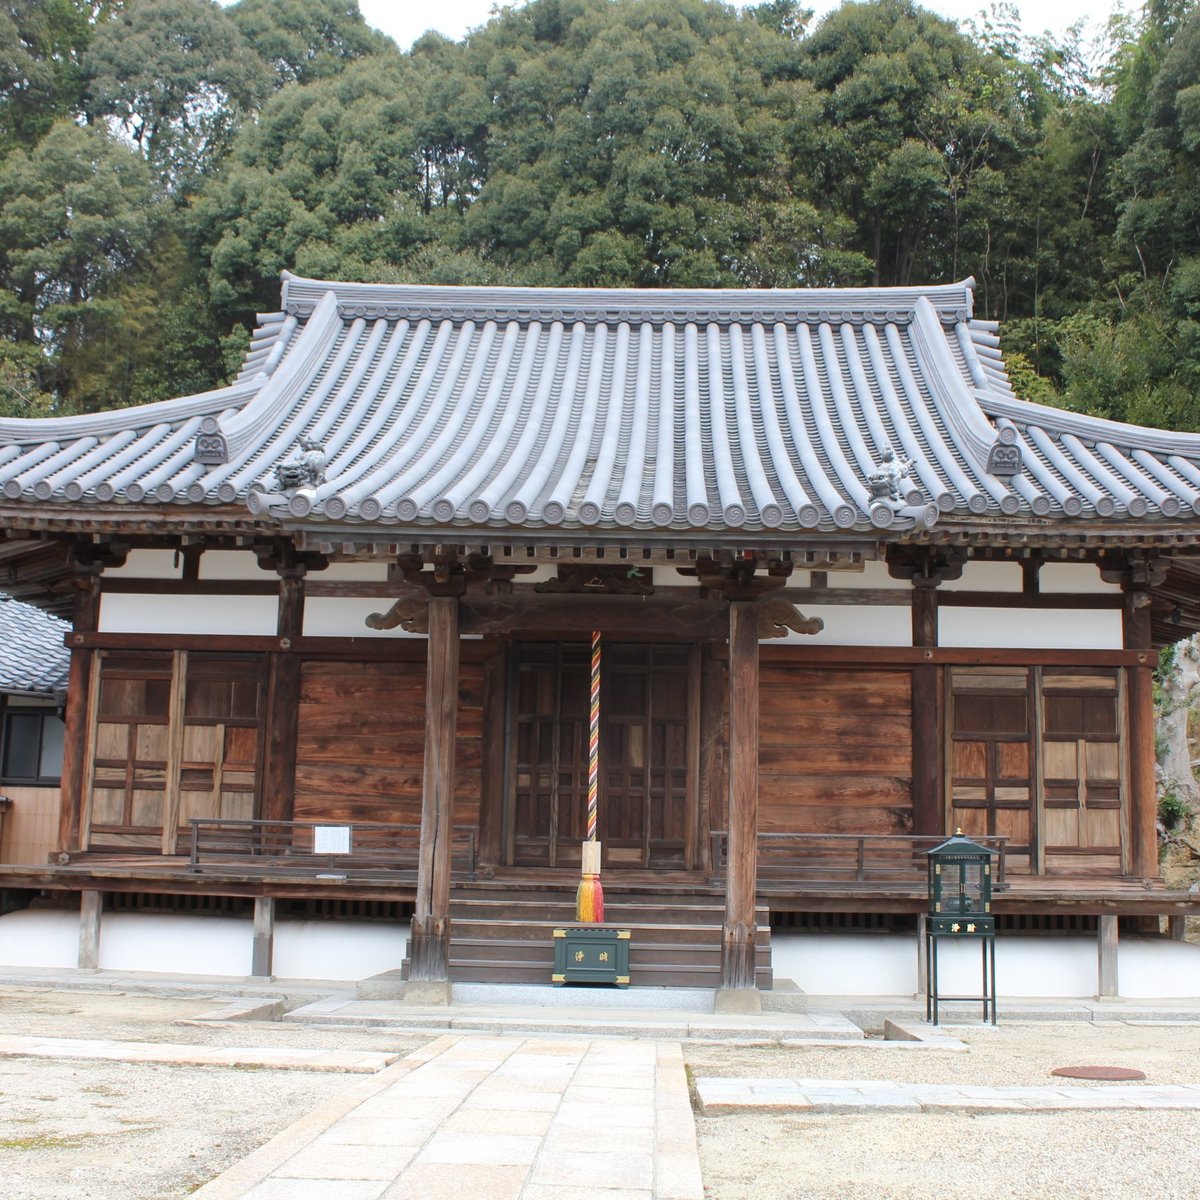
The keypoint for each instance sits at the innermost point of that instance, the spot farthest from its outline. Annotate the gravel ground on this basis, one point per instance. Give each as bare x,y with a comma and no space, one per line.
1039,1156
125,1131
135,1131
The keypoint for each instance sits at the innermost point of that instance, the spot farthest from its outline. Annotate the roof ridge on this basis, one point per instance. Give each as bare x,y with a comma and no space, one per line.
300,296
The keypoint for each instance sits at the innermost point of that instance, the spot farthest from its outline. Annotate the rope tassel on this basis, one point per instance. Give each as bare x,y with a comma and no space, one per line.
589,900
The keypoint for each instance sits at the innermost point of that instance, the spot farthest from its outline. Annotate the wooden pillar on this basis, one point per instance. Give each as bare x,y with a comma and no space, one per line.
91,906
283,702
741,878
922,965
1106,958
263,954
928,806
75,741
1139,700
1177,928
429,947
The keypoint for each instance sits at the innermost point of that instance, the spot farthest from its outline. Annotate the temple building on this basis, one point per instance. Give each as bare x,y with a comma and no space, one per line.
332,624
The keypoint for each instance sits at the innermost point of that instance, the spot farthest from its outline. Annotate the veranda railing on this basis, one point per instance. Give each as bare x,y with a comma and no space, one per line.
318,847
829,859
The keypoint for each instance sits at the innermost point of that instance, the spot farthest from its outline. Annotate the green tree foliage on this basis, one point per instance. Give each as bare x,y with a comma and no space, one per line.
175,78
161,161
303,40
42,43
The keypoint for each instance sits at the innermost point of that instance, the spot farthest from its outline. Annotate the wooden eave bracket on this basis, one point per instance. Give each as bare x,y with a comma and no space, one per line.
285,560
926,568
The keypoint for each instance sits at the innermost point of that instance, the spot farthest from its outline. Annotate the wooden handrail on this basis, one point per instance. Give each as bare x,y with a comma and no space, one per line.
832,858
268,847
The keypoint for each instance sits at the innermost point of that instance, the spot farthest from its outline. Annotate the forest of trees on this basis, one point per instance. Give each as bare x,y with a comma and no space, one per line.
162,160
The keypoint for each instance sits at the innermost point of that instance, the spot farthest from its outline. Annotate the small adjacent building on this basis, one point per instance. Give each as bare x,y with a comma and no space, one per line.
33,687
331,623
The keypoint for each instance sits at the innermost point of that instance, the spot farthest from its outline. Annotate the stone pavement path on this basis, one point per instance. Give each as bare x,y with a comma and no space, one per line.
492,1118
267,1058
721,1095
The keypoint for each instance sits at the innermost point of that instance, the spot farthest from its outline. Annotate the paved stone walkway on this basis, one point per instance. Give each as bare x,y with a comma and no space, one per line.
492,1118
722,1095
273,1058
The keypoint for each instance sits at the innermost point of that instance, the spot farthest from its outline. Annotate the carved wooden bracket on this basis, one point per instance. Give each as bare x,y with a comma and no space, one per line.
599,580
925,568
285,560
410,613
450,576
737,579
90,558
1135,572
776,616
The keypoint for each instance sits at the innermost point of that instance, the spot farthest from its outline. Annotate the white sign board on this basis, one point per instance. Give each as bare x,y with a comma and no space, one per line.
331,839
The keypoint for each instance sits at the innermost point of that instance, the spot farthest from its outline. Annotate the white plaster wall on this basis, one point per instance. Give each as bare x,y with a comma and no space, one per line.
338,949
1074,577
346,616
873,575
850,625
1026,967
867,964
987,577
36,938
232,564
245,615
369,572
148,564
174,944
1030,629
1158,969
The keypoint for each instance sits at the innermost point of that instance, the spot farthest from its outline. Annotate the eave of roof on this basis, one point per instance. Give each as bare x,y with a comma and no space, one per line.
484,413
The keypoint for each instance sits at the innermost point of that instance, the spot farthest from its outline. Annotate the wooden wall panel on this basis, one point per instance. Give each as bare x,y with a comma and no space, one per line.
30,827
360,749
835,752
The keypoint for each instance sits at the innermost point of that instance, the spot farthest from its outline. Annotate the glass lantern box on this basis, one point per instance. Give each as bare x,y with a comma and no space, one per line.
960,889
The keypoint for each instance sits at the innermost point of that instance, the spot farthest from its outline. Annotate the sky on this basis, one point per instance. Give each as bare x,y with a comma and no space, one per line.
406,20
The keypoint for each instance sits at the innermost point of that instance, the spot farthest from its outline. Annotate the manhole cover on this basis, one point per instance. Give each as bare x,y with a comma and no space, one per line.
1107,1073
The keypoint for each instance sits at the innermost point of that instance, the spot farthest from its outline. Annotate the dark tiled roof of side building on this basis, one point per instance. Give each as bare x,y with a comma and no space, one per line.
33,658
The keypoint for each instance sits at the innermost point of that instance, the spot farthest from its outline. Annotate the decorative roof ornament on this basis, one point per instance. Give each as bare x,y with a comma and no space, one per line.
887,480
212,450
1004,458
306,467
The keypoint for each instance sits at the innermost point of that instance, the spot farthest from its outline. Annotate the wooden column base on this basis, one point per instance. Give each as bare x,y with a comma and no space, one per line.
1106,964
91,907
737,957
263,951
429,951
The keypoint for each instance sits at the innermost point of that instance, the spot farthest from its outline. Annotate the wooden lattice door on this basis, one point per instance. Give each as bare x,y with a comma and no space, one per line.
646,752
993,783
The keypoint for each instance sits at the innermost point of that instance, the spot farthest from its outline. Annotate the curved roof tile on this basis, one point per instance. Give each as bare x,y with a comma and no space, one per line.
493,408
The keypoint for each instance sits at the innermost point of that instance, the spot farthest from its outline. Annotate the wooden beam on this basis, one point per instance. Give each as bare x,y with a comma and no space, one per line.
1106,958
75,738
807,655
429,948
927,803
91,908
263,953
737,956
283,706
1139,693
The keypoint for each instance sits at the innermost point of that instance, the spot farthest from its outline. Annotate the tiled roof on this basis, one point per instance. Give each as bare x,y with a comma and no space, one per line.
33,659
495,409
